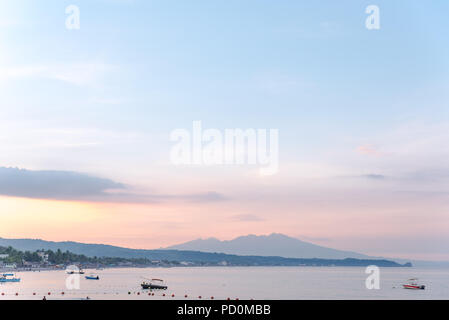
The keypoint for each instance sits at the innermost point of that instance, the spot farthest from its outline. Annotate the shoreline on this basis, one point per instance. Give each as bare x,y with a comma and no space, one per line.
17,270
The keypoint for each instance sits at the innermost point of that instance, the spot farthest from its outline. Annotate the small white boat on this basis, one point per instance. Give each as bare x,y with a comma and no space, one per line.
413,285
92,277
154,284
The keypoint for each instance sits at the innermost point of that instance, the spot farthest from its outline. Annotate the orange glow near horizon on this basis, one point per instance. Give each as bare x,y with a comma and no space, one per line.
152,226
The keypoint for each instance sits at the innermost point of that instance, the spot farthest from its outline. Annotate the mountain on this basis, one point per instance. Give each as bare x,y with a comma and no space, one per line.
272,245
197,257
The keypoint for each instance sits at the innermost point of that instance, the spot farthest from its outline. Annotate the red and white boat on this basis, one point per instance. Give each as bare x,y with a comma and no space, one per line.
413,284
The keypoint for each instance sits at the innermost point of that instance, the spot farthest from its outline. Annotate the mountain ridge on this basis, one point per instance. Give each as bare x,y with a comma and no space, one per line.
267,245
196,257
92,249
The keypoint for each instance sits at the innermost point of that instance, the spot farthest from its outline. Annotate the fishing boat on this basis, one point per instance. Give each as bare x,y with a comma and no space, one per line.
80,271
9,277
92,277
154,284
413,284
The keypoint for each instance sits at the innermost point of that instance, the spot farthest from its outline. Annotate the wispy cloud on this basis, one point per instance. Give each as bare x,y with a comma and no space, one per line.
61,185
54,138
369,176
368,150
75,186
246,217
80,74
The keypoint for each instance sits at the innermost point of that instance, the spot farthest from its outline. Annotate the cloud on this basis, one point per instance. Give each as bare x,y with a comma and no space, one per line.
210,196
61,185
368,150
373,176
80,74
370,176
247,217
74,186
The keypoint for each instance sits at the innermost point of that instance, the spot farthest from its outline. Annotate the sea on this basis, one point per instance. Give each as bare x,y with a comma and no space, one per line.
222,283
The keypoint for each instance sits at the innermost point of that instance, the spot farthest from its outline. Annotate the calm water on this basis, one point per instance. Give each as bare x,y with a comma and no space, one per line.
234,282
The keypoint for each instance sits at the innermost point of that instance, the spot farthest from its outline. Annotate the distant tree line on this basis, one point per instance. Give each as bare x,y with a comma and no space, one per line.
59,257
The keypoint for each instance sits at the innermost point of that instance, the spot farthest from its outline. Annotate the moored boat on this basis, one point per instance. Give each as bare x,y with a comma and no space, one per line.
414,285
72,271
92,277
9,277
154,284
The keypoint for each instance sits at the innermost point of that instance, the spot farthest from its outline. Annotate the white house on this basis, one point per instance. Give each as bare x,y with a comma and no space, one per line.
43,256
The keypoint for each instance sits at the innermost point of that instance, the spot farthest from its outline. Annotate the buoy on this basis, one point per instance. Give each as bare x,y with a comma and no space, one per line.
17,294
172,295
129,292
236,298
163,294
138,293
49,293
199,297
185,296
228,299
34,293
149,294
212,298
62,293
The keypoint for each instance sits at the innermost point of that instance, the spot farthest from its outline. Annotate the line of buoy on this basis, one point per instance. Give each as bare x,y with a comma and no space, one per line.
129,293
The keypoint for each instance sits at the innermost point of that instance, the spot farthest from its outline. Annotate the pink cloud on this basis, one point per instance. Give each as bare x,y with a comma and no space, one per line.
369,150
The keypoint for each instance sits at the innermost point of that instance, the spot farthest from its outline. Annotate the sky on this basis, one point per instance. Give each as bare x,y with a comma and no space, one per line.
86,116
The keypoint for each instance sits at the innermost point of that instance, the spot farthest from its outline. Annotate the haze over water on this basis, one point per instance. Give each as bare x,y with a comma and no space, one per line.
234,282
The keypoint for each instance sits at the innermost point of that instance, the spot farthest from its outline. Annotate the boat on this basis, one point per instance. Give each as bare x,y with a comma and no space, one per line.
154,284
413,284
8,277
80,271
92,277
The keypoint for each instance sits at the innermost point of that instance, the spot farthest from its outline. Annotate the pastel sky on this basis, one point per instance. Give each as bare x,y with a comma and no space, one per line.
86,115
